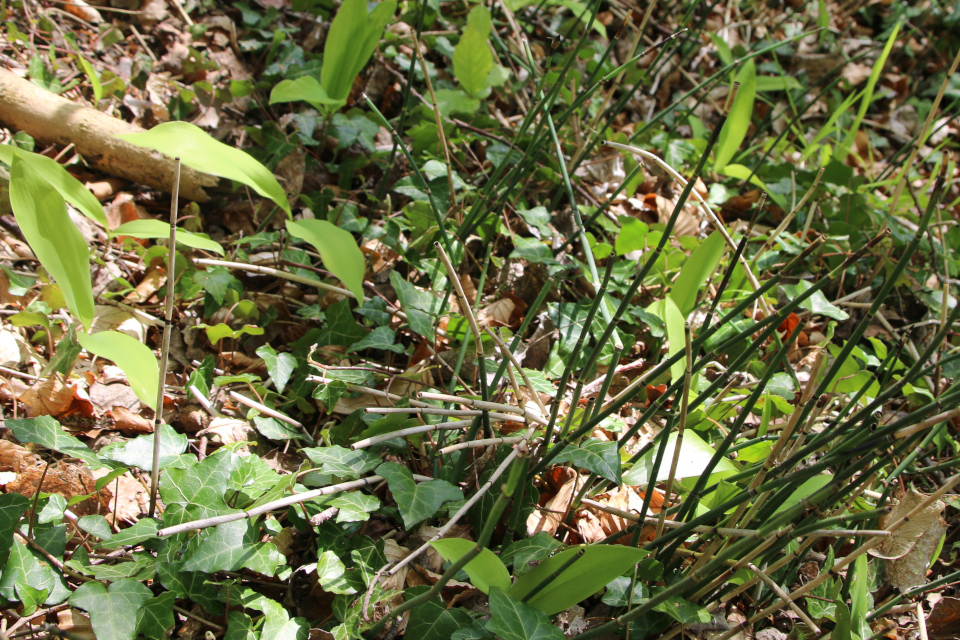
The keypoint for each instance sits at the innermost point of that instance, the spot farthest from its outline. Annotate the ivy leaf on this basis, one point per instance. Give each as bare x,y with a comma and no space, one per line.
684,611
379,338
514,620
417,502
531,250
328,394
227,548
279,626
113,612
419,306
817,303
432,620
280,366
523,553
139,451
215,281
48,433
96,525
342,329
144,529
199,488
355,506
239,627
342,462
602,458
156,616
12,506
23,567
331,573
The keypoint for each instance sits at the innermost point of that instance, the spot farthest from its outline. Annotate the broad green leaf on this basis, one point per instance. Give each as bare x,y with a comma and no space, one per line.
144,529
602,458
226,548
24,568
47,432
155,616
379,338
531,250
351,40
479,18
220,331
278,625
450,101
42,217
337,248
240,627
666,309
96,525
512,619
472,61
200,487
30,597
432,620
12,506
152,229
616,592
735,128
304,88
844,627
331,572
695,272
280,366
684,611
217,281
417,502
485,570
113,612
71,189
808,487
860,600
420,306
341,462
355,506
817,303
135,358
139,451
585,576
632,236
199,151
695,455
777,83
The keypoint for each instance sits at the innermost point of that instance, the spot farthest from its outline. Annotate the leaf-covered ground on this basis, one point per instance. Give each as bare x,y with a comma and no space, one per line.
512,319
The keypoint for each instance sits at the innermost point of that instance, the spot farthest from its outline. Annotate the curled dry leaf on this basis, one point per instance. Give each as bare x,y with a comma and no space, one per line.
431,559
549,516
910,570
395,553
229,431
82,10
54,397
505,312
130,499
904,538
129,422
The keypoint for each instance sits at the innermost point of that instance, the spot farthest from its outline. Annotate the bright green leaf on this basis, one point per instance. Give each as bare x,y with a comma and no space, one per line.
597,456
417,501
472,61
152,229
47,432
695,272
735,128
280,366
113,612
200,151
135,358
42,216
351,40
485,570
695,455
512,619
60,179
337,248
585,576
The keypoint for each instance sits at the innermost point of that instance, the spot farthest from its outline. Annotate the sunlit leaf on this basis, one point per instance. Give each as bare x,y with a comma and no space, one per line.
135,358
113,611
417,501
339,251
200,151
485,570
735,128
153,229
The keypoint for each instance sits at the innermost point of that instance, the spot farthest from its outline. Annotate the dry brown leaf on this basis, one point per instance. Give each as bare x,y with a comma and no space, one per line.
229,431
14,456
83,11
904,538
130,499
155,278
911,569
431,559
395,553
73,622
943,623
129,422
110,318
123,209
54,397
549,517
687,223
